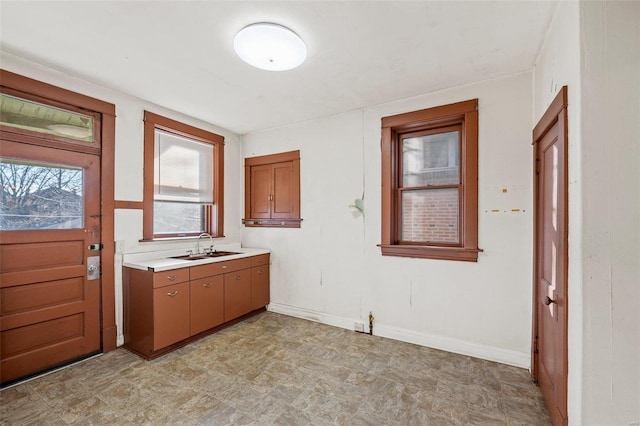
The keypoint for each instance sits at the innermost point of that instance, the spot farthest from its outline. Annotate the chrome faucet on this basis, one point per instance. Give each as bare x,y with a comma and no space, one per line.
210,249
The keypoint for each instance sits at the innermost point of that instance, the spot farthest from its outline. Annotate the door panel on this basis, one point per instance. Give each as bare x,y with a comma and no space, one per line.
282,202
260,287
550,270
170,315
261,192
49,310
237,294
207,303
43,255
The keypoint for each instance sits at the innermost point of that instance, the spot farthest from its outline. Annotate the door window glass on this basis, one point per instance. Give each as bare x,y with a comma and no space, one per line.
36,117
38,196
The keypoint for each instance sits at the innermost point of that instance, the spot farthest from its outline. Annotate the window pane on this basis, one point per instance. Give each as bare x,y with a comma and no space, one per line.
177,218
33,116
430,215
431,160
36,196
183,169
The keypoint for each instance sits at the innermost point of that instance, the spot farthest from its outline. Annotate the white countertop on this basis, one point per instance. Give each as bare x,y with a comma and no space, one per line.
163,261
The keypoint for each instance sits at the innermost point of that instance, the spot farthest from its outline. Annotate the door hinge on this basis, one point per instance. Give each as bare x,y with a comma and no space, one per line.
535,345
537,166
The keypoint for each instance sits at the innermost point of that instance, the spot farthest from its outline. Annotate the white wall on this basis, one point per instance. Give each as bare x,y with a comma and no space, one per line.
331,270
594,48
610,69
129,163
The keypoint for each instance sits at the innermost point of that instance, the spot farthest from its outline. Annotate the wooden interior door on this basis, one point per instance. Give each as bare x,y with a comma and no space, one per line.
49,296
550,267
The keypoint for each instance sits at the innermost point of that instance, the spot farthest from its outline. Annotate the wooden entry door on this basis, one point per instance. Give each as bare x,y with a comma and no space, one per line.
49,295
550,265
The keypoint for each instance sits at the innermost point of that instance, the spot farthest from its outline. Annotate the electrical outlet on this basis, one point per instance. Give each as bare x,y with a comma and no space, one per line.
359,327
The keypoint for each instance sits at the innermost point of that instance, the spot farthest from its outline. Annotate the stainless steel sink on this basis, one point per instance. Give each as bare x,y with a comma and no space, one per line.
204,256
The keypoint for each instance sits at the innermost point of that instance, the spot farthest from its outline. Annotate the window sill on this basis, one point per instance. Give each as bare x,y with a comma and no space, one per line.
428,252
185,238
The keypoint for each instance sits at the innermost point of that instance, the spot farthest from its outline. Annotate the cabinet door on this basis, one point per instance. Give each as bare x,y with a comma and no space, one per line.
170,314
207,303
237,294
261,193
282,197
259,287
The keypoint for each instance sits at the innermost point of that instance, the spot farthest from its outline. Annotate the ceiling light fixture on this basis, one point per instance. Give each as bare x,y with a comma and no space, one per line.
270,47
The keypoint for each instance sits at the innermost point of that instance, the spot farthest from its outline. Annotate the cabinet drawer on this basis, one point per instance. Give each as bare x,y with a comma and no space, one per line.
218,268
261,260
173,276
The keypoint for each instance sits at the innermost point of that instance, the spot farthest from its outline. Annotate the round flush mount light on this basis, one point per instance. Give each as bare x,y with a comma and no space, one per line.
270,47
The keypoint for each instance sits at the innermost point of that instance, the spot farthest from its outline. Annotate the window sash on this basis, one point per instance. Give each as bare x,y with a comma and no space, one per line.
439,225
178,219
419,173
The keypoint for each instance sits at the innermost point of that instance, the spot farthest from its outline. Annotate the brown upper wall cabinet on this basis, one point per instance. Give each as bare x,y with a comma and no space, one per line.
272,190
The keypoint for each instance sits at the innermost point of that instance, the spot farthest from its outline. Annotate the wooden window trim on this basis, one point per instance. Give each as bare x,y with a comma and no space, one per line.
465,114
214,215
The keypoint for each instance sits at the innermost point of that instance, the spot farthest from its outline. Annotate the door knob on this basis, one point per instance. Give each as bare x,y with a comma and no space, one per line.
549,301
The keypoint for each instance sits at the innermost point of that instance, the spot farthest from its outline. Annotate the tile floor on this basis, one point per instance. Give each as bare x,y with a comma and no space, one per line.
274,369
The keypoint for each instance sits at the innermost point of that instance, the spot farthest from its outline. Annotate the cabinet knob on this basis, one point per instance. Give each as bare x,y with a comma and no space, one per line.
260,272
207,285
237,277
172,294
224,266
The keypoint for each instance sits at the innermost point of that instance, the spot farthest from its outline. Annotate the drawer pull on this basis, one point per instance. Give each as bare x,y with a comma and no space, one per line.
207,285
172,277
260,272
224,266
172,294
237,277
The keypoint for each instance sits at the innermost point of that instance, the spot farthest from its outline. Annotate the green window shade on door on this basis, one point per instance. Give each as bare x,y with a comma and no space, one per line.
45,119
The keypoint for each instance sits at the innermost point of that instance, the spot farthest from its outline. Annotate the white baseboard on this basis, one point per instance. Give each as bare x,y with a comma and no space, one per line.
490,353
311,315
476,350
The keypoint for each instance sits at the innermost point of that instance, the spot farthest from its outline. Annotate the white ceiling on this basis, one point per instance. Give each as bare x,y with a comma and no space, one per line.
180,54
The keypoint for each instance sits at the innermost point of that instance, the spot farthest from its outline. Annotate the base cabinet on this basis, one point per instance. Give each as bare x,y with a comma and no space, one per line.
170,315
166,310
259,287
237,294
207,303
